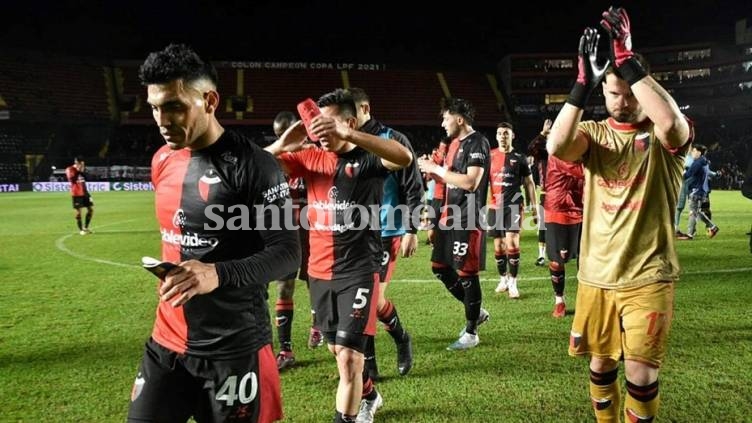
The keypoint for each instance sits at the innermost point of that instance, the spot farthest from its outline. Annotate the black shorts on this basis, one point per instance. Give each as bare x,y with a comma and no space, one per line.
171,387
563,241
463,250
82,201
390,246
305,253
347,305
505,219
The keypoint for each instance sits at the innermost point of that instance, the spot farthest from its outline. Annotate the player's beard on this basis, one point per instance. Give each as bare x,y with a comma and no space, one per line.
624,115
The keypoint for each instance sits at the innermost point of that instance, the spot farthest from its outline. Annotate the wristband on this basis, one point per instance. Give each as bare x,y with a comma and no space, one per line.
631,70
579,95
441,172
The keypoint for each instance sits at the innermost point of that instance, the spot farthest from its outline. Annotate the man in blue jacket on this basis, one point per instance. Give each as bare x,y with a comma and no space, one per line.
698,189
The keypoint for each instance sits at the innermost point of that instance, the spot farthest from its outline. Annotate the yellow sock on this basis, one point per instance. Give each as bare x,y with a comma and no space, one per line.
605,396
641,404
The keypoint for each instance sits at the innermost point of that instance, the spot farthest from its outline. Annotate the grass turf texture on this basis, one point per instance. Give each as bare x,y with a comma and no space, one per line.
76,310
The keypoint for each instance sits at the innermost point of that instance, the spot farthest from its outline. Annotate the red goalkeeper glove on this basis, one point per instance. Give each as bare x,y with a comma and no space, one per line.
616,23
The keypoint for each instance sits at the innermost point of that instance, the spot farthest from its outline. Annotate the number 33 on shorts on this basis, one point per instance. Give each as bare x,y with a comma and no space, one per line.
459,248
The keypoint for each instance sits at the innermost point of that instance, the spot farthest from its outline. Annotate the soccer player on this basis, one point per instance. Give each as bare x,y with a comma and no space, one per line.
345,179
633,163
459,241
563,220
285,306
561,197
537,150
210,355
403,191
509,173
76,174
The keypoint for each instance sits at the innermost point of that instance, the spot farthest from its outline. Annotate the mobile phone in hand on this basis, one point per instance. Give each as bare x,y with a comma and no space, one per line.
157,267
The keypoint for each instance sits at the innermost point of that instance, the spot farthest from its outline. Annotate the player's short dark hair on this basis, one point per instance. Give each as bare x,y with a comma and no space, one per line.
640,59
176,61
459,106
359,95
700,147
505,125
285,118
342,99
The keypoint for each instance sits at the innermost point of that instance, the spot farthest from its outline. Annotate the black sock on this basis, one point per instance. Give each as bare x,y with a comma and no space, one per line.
473,299
88,219
513,256
389,317
78,222
284,310
449,278
557,280
501,263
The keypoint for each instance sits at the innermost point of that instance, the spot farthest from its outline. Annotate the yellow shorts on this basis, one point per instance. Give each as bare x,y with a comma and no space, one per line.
632,324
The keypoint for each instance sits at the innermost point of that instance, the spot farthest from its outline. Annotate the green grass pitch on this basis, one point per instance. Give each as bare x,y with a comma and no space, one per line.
76,310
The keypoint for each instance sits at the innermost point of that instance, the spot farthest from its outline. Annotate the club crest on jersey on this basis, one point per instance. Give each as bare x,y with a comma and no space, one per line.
333,192
229,158
642,142
178,219
351,169
208,179
138,387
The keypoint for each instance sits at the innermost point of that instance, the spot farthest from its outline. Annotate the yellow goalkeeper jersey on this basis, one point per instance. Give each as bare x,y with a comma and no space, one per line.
631,187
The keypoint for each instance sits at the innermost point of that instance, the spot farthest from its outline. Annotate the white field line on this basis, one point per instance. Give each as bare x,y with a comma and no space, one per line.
60,244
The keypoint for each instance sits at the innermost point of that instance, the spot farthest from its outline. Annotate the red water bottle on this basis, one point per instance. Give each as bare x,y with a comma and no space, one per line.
308,109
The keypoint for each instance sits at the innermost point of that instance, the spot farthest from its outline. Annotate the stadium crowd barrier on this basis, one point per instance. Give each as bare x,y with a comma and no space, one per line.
92,186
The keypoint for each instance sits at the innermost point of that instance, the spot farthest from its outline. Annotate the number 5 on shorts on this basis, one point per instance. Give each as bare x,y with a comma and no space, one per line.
360,298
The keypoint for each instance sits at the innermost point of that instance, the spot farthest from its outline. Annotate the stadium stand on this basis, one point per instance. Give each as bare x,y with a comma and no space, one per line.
53,106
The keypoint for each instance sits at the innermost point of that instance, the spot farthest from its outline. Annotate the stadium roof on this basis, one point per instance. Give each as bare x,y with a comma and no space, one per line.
379,31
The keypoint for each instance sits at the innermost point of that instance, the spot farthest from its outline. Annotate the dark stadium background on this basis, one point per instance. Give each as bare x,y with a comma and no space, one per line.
49,51
388,31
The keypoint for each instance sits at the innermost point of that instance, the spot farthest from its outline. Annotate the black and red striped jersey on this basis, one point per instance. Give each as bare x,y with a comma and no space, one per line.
217,205
77,181
508,172
473,150
344,195
565,183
